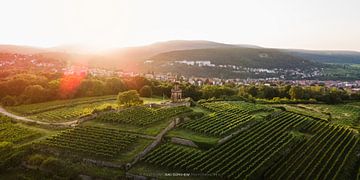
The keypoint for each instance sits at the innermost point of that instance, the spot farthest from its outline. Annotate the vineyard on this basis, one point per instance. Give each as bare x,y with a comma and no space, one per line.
170,155
30,109
217,124
235,107
14,133
100,142
341,114
71,113
323,157
142,115
266,145
226,117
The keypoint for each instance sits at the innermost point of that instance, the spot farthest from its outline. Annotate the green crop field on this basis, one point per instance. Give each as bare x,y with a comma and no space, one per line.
141,115
15,133
96,141
71,113
342,114
29,109
264,150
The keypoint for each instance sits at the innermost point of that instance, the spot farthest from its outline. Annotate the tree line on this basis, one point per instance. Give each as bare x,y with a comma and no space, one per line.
25,88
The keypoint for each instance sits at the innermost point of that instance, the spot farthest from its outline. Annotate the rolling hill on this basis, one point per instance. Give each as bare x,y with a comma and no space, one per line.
16,49
245,57
162,53
340,57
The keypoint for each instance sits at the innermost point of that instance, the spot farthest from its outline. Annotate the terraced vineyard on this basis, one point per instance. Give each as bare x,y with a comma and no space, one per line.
14,133
323,157
101,142
226,118
170,155
52,105
70,113
218,124
239,107
342,114
141,115
265,150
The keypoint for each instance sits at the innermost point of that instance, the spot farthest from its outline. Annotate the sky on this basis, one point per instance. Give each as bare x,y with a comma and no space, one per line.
102,24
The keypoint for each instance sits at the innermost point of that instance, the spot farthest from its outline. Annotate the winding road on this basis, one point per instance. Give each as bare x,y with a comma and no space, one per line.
25,119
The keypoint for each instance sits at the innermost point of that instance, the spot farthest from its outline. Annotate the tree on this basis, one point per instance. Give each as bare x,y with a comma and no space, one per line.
296,92
91,87
146,91
266,92
114,85
54,166
209,91
35,94
8,101
252,90
192,91
129,98
136,83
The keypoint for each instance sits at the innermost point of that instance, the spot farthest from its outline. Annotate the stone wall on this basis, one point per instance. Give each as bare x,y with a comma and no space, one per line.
183,142
156,142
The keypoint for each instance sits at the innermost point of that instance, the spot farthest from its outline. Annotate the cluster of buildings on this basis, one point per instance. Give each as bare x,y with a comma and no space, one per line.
282,73
8,60
199,81
195,63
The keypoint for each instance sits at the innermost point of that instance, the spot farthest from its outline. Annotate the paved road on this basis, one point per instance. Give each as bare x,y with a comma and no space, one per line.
25,119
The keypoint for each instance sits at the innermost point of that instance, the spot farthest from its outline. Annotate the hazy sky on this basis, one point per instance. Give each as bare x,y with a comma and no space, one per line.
307,24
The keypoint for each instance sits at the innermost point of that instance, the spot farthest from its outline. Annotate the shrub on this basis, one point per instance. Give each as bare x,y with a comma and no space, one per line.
8,101
35,160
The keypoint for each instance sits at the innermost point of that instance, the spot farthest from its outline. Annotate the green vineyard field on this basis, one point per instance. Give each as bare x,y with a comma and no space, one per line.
141,115
101,142
286,146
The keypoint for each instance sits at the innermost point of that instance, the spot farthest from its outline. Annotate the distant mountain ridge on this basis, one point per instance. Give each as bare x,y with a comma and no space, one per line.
341,57
239,56
130,58
17,49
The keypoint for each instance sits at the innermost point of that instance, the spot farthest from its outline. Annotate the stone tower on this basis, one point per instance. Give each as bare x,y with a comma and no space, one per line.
176,93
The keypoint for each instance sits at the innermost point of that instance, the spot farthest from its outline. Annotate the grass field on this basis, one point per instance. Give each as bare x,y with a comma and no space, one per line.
197,138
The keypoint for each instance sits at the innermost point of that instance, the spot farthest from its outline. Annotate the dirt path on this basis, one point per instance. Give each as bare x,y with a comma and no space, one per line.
25,119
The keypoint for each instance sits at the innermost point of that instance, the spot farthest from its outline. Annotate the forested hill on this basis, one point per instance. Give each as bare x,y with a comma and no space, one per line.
341,57
245,57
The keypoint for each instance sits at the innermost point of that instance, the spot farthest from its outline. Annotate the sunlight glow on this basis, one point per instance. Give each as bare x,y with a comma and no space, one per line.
100,24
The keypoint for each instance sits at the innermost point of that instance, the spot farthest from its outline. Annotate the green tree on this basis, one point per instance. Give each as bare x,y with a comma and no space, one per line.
35,159
145,91
114,85
210,91
8,101
35,94
91,87
296,92
129,98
